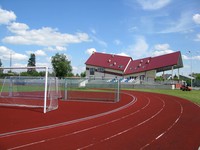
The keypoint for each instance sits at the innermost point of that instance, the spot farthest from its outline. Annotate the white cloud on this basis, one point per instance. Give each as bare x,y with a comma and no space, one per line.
161,49
191,56
40,53
123,54
19,65
18,56
117,42
18,28
99,41
196,18
133,29
153,4
183,24
61,48
56,48
196,58
167,51
6,54
197,37
78,69
6,16
90,51
43,64
93,31
37,52
139,48
45,36
4,50
185,57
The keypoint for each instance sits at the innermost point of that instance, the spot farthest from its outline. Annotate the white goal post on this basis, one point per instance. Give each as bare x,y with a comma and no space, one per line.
18,87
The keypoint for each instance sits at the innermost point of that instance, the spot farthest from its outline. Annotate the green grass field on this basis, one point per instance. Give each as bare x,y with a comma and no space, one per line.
193,96
22,88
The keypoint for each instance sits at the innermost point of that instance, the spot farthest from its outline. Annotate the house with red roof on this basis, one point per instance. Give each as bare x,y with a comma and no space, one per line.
110,65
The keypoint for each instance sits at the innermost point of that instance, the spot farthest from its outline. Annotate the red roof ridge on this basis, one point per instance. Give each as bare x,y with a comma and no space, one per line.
172,53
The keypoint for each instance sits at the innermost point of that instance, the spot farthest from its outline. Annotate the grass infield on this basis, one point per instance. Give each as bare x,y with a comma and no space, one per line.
193,96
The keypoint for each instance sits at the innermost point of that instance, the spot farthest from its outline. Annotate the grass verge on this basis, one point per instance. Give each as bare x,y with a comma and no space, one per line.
193,96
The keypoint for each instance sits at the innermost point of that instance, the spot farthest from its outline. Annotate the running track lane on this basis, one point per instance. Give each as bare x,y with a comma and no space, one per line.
154,121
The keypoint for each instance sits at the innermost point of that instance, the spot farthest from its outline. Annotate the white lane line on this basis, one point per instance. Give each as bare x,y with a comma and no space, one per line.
134,99
167,130
25,145
127,130
14,133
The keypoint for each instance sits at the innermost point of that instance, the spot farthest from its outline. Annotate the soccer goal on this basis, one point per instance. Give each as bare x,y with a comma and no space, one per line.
92,89
29,87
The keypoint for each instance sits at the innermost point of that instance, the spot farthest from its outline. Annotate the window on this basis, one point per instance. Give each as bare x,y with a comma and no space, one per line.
120,66
92,70
101,69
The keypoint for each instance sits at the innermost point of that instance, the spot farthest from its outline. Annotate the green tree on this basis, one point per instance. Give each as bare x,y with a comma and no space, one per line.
77,75
176,78
61,65
198,77
31,63
0,63
83,74
159,78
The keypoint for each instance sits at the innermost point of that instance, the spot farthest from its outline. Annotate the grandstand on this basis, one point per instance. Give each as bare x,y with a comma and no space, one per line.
102,65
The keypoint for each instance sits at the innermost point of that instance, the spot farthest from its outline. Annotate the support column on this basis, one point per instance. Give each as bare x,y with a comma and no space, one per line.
172,71
163,75
178,74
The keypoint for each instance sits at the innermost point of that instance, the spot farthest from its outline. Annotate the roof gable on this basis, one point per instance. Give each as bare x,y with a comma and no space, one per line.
139,65
110,61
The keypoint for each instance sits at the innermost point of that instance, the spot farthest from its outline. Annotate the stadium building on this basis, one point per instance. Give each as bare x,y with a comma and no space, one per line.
102,65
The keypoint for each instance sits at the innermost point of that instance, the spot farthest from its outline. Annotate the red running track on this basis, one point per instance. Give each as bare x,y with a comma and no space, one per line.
139,121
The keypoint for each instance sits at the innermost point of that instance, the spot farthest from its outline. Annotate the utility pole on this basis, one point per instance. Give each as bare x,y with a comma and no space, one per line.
10,60
191,66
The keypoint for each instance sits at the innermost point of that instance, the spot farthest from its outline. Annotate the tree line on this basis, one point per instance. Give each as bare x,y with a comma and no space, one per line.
61,67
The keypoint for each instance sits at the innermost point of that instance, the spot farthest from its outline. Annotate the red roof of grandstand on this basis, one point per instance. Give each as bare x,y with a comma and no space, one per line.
166,60
129,66
110,61
159,63
139,65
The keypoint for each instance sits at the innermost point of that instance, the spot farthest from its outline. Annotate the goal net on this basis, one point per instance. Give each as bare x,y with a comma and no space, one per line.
29,87
90,89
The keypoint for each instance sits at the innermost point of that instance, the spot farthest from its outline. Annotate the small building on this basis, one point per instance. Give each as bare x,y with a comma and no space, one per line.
102,65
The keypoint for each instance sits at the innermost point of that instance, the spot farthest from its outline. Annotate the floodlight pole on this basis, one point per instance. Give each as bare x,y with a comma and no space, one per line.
10,60
191,68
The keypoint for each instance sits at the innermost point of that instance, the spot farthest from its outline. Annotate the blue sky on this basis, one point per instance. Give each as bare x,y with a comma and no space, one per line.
76,28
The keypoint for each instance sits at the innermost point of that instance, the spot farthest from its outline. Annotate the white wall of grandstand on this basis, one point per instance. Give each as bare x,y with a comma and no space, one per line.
96,72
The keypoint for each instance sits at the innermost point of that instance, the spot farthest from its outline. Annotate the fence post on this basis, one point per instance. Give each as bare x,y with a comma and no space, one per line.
118,90
65,90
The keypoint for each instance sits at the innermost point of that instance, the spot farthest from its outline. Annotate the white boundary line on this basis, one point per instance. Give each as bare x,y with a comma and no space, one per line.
18,132
86,129
167,130
127,130
115,120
